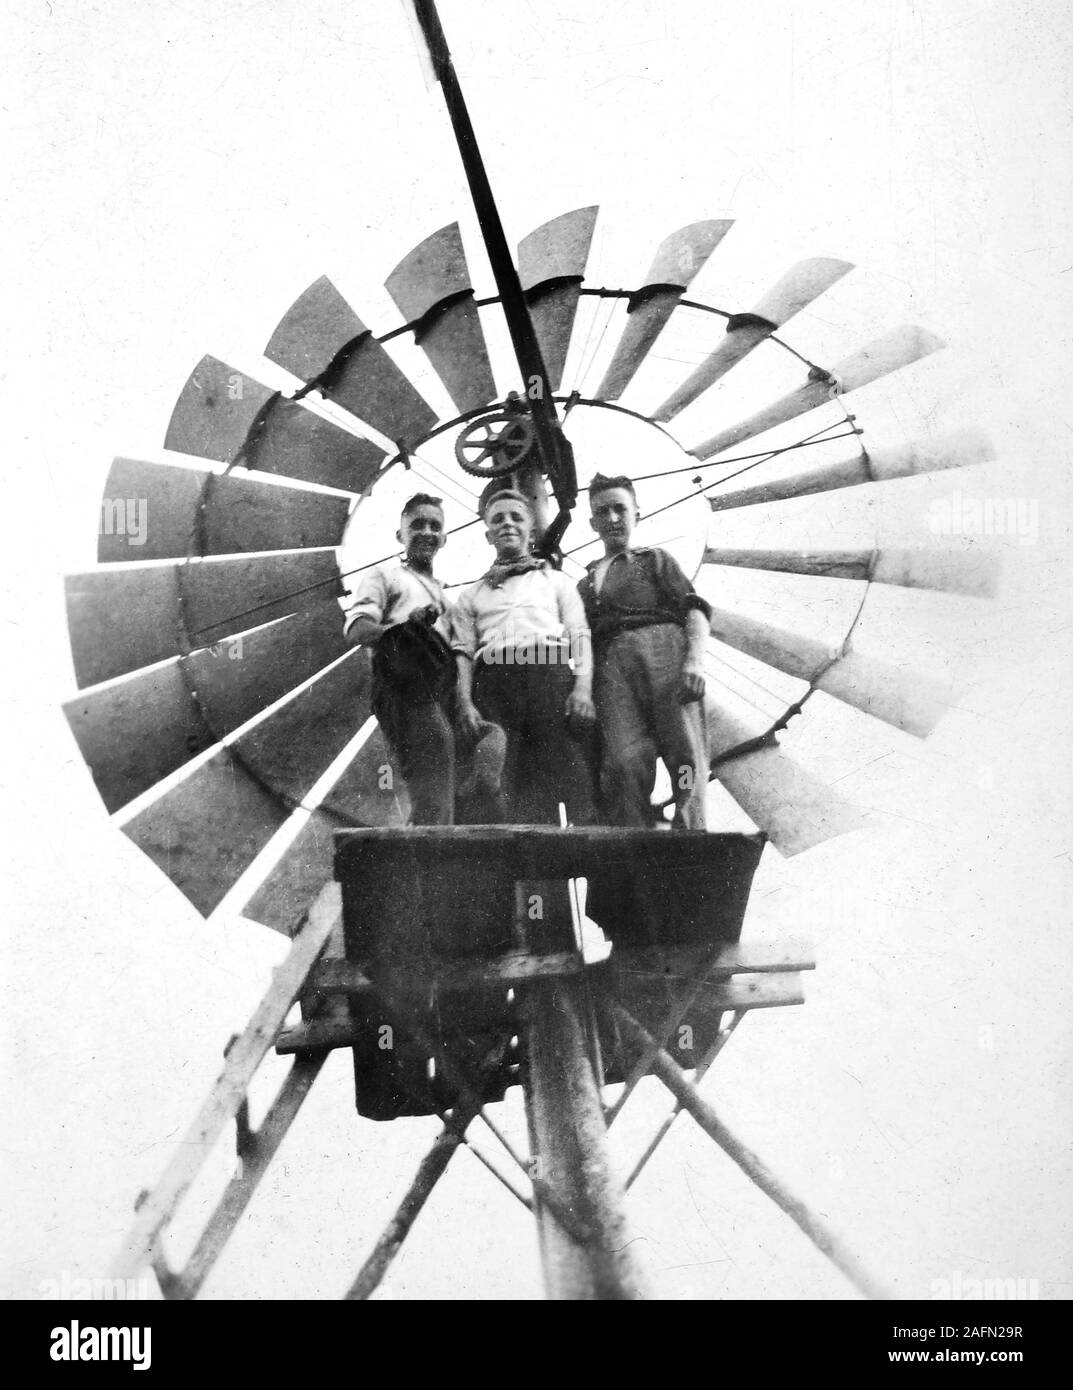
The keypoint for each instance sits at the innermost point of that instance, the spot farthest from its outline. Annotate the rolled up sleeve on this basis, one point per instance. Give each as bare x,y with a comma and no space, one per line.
678,588
368,599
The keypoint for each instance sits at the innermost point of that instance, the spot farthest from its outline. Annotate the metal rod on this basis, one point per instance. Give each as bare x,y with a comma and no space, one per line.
429,1172
723,1037
825,1240
496,1172
553,447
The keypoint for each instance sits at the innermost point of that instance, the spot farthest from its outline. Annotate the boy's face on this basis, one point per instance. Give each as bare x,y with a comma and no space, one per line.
614,515
508,526
422,533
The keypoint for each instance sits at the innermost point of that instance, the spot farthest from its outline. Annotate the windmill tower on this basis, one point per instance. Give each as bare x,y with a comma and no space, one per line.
252,562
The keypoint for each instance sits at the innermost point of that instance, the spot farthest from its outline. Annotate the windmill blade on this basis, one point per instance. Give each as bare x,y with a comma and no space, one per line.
677,262
122,620
972,572
215,411
360,797
321,334
551,267
137,731
801,284
301,872
906,698
364,795
182,511
958,449
894,350
793,808
207,830
432,285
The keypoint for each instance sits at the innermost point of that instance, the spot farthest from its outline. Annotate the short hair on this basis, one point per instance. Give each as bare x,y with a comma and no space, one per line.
420,499
498,494
600,483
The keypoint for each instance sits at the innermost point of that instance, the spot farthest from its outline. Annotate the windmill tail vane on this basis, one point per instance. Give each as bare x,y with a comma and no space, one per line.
256,784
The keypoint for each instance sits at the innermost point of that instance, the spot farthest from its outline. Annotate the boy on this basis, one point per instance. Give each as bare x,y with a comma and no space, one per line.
649,629
399,610
516,631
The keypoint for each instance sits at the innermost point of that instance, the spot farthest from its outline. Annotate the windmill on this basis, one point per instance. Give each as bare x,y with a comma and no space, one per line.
244,561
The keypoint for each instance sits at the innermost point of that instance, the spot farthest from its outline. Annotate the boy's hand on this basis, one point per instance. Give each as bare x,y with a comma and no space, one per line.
580,711
691,686
469,716
423,617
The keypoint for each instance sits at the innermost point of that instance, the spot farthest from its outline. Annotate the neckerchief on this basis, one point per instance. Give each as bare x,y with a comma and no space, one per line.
503,569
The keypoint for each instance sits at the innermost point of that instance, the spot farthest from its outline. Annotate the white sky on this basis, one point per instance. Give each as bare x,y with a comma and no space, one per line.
179,174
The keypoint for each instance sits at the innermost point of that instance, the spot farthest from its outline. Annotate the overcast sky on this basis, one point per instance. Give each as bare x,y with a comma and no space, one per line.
181,172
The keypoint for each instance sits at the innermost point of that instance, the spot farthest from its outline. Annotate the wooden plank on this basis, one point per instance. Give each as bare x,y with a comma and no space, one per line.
256,1154
735,958
229,1091
813,1226
677,261
897,349
432,283
800,285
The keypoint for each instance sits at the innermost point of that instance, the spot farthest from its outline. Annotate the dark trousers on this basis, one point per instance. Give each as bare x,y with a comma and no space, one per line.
544,763
422,739
641,719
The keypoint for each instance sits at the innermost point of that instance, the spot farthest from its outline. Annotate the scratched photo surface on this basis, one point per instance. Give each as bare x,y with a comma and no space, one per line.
182,174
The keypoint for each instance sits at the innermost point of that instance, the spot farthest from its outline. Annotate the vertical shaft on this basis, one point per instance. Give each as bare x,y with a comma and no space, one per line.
568,1137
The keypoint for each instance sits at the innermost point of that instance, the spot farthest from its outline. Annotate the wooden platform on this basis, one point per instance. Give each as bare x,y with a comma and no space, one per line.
444,928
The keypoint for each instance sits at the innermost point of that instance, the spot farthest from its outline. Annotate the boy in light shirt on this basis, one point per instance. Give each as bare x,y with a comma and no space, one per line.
524,662
400,610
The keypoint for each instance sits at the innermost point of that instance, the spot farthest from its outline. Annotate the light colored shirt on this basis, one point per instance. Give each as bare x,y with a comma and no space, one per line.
540,605
388,594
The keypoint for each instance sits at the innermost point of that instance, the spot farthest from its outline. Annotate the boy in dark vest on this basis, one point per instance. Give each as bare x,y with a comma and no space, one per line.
649,628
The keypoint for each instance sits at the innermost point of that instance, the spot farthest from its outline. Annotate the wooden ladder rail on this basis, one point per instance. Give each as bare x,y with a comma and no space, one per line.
156,1208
